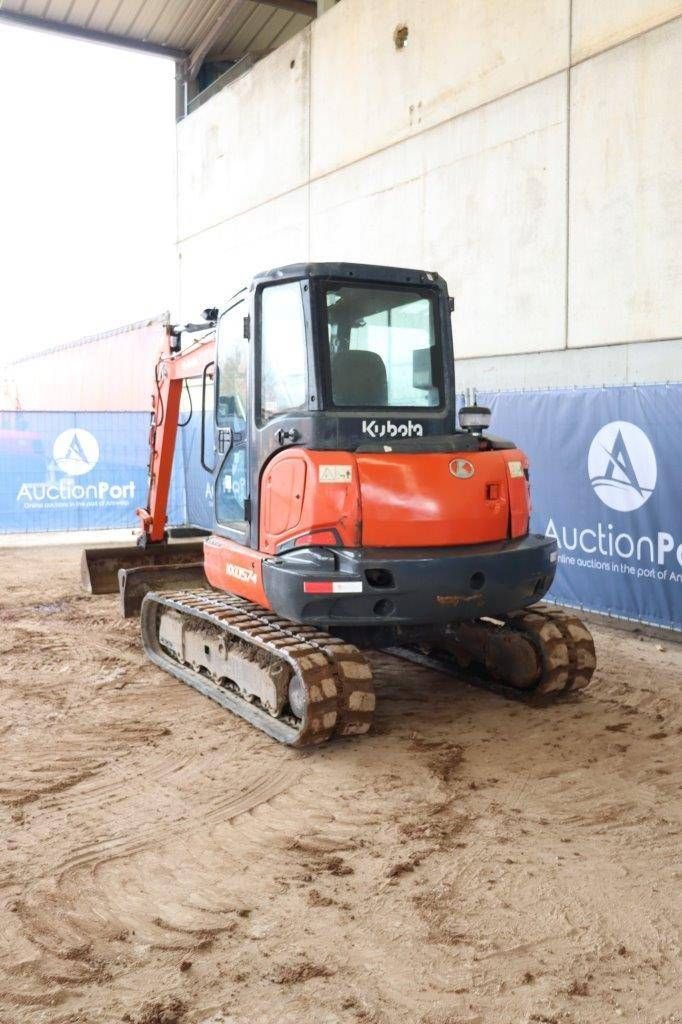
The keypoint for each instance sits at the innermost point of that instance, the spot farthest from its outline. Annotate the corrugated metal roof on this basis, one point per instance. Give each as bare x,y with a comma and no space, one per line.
176,27
138,325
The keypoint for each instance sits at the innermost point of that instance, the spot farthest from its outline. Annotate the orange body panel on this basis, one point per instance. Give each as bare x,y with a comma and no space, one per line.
393,499
303,490
233,567
416,501
283,493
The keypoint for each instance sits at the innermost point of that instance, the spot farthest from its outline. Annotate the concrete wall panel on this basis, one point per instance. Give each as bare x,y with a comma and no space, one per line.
216,263
371,211
366,94
248,143
451,154
596,26
648,362
494,220
625,263
482,200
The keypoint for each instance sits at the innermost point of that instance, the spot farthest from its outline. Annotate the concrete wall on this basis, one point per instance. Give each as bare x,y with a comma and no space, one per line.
528,151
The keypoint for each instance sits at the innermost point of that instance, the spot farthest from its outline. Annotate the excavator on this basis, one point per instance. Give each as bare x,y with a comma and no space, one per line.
353,509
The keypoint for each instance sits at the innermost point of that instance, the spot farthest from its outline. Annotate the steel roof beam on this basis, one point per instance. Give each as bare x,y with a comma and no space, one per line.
92,35
210,37
306,7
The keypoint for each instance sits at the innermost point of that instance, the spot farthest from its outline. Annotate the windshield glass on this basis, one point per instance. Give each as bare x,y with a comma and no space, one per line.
383,349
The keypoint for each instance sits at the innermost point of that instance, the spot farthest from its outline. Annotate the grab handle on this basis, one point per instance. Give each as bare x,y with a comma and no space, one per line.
202,454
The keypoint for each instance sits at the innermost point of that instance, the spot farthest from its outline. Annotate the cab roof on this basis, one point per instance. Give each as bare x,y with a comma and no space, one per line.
352,271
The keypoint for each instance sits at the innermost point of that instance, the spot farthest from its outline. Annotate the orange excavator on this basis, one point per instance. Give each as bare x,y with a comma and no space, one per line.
350,511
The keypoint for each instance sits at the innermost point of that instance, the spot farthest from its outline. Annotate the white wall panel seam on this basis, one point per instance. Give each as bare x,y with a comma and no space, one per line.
377,152
574,348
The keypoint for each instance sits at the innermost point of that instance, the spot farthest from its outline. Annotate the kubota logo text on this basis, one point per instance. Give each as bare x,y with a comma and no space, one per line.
622,466
387,428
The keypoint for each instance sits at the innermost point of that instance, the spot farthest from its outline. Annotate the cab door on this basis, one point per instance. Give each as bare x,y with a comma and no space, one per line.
231,479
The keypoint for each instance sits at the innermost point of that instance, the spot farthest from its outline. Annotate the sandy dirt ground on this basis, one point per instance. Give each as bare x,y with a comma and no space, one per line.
471,860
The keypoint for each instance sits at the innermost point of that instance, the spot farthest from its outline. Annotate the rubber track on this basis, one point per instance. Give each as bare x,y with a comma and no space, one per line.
337,677
564,643
581,653
550,643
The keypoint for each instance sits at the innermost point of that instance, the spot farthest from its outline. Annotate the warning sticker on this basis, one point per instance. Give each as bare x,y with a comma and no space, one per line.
335,474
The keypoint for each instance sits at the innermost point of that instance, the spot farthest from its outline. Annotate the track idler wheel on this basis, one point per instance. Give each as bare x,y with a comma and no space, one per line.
547,638
581,653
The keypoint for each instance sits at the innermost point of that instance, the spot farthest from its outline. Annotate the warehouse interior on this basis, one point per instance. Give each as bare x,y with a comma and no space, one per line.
391,126
472,818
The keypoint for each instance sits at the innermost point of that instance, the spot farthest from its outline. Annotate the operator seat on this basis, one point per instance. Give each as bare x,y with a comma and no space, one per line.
359,378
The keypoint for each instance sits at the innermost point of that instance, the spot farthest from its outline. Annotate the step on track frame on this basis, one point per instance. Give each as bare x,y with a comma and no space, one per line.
336,677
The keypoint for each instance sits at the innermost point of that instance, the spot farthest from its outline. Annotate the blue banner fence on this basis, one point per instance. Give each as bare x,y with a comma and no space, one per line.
77,471
606,482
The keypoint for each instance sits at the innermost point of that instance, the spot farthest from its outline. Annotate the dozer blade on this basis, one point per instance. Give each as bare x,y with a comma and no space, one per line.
133,584
100,566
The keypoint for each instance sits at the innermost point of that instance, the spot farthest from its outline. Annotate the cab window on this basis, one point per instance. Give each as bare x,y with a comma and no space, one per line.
383,348
283,367
231,488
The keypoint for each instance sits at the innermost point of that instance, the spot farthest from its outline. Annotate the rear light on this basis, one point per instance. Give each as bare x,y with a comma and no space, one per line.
332,587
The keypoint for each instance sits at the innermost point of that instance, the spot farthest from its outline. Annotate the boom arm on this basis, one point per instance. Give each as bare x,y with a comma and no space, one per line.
172,370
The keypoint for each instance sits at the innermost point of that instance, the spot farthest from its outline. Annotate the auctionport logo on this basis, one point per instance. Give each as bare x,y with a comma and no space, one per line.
622,469
75,451
622,466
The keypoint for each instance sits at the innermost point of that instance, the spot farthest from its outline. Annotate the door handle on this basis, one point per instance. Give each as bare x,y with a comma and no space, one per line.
224,440
202,451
